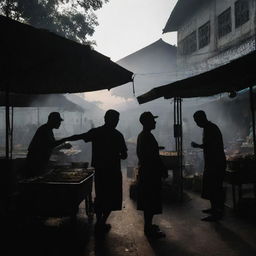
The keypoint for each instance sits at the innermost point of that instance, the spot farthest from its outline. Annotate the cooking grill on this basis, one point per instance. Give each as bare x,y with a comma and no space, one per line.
57,193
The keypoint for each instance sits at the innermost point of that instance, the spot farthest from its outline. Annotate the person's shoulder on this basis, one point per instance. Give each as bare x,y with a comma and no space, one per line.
98,129
118,133
92,132
214,126
210,124
42,128
140,136
145,134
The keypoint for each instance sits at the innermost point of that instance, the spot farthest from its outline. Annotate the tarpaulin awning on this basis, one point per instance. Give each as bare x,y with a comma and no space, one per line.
40,100
234,76
36,61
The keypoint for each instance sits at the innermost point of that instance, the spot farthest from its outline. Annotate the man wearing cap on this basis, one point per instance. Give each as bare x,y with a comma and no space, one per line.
151,172
108,148
42,144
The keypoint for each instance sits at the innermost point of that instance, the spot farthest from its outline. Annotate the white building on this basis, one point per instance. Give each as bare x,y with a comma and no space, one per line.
211,32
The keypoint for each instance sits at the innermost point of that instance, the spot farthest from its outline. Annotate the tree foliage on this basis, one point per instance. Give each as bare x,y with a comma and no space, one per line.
74,19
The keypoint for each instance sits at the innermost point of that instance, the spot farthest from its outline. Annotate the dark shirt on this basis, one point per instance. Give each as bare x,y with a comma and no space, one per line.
148,155
107,147
40,148
214,155
151,170
215,163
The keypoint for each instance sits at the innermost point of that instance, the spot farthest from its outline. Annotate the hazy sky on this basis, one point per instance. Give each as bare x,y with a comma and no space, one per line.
126,26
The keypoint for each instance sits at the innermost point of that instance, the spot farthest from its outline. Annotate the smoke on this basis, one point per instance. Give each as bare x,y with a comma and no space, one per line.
79,116
231,115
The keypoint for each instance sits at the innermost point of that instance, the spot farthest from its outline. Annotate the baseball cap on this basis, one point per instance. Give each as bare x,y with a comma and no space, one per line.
146,116
55,116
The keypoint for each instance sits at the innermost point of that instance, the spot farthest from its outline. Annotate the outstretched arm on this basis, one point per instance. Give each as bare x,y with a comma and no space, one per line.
75,137
59,142
71,138
196,145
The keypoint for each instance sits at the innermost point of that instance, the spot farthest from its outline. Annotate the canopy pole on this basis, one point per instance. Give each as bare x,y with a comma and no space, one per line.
7,122
178,142
81,122
11,133
253,120
38,117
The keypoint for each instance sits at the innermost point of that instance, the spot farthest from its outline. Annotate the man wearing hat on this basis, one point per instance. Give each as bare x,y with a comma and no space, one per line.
151,172
42,144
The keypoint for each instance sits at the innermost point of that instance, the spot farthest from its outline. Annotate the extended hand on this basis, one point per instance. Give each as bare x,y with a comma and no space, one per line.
194,144
67,145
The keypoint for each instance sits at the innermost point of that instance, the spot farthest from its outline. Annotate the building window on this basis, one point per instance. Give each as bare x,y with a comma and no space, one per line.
188,44
241,12
224,23
204,35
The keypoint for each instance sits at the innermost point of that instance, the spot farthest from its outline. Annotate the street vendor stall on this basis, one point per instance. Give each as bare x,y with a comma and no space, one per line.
229,78
37,101
36,61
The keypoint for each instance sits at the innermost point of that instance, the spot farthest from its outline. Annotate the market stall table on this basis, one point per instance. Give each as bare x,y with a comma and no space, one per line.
58,193
171,162
238,174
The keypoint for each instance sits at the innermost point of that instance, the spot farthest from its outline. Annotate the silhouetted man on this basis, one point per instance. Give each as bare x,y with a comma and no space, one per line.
108,148
214,166
42,144
150,174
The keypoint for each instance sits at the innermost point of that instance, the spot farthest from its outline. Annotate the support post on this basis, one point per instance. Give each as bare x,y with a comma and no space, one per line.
253,120
178,142
7,123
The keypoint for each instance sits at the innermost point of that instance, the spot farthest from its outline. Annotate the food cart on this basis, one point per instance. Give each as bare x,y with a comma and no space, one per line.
57,193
